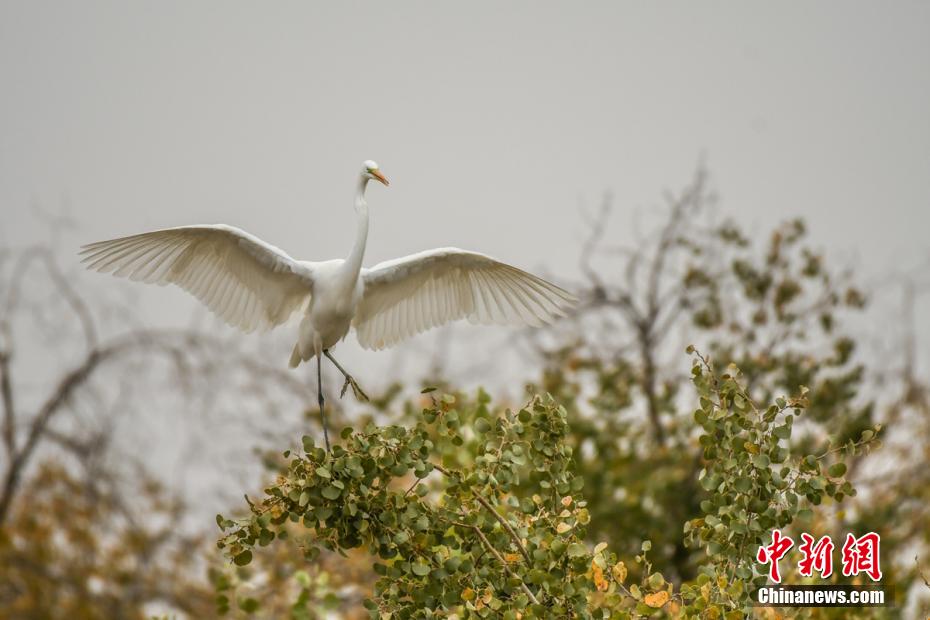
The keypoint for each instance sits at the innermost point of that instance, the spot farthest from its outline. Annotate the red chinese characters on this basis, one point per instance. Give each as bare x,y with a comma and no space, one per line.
860,555
771,554
817,556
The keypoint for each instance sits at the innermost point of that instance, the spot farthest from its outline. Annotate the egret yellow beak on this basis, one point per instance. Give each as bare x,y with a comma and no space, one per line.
377,174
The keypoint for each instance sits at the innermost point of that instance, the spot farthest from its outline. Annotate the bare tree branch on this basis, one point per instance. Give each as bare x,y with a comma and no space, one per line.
62,393
9,411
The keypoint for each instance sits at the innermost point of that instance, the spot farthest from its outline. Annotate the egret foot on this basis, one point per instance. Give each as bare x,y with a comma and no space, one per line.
350,381
356,389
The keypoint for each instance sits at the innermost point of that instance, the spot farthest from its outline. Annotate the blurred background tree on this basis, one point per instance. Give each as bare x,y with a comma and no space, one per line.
768,303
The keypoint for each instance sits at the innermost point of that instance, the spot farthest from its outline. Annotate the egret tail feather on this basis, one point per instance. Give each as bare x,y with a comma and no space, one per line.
296,357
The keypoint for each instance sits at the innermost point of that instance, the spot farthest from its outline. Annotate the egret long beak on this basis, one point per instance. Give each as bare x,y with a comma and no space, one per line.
377,174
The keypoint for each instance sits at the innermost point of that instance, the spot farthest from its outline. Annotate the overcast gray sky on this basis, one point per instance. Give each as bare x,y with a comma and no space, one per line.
494,121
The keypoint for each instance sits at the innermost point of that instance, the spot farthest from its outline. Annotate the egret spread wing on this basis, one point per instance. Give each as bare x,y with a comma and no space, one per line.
410,295
247,282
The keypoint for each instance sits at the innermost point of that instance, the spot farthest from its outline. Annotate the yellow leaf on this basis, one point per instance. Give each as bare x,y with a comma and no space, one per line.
657,599
618,570
511,557
567,501
561,528
468,594
598,576
599,547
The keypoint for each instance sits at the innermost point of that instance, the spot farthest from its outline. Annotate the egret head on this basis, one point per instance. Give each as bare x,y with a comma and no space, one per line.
370,171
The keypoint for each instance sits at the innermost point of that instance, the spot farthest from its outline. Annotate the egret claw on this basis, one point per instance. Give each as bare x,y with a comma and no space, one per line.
357,390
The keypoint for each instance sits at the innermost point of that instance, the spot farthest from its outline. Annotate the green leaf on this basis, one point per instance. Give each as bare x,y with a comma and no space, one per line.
243,558
782,432
420,569
837,469
710,482
331,492
576,550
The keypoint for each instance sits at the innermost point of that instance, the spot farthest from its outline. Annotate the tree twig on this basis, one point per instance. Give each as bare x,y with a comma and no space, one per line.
500,559
500,519
9,413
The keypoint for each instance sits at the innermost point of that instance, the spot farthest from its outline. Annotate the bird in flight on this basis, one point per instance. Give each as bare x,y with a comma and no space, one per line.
253,285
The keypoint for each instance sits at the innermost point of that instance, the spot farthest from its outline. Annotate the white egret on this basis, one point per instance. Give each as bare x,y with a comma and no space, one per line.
253,285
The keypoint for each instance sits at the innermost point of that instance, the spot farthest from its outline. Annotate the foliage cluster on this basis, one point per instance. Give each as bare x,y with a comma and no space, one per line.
71,550
755,483
500,528
458,540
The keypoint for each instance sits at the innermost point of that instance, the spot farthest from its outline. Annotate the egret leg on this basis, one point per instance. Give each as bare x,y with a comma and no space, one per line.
350,382
320,400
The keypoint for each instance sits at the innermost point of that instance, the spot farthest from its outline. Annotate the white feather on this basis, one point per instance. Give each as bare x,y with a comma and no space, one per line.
409,295
247,282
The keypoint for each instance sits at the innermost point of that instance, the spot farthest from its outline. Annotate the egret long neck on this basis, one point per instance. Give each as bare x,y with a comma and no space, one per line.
354,262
